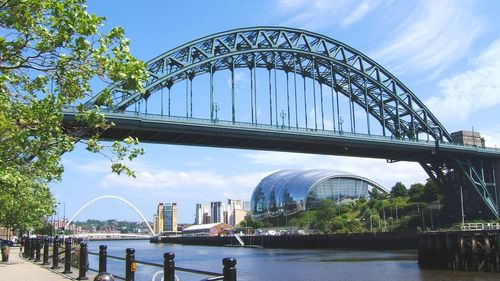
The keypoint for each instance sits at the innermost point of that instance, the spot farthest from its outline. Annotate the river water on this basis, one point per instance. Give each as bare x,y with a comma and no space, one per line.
280,264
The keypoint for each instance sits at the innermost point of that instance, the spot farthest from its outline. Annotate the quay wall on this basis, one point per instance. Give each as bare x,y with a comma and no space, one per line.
375,241
477,250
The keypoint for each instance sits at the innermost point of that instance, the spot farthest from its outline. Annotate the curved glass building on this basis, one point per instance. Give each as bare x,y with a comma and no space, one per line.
293,191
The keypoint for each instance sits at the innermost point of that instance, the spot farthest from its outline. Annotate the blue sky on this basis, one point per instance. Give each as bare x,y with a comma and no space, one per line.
446,52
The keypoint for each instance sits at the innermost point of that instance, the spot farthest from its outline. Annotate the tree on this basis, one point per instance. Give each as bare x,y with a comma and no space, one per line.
50,51
399,190
415,192
431,191
325,213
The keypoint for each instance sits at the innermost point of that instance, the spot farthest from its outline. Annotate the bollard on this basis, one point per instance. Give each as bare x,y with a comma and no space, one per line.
38,249
229,270
45,251
32,248
55,253
26,253
24,244
168,267
104,276
103,255
130,265
67,256
83,265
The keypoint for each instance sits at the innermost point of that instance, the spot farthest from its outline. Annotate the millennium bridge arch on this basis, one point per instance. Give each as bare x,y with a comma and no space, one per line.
110,197
322,84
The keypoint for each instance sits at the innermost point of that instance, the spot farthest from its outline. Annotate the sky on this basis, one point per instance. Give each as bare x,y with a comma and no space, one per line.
446,52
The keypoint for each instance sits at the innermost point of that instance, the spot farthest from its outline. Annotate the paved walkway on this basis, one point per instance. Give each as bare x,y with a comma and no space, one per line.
20,269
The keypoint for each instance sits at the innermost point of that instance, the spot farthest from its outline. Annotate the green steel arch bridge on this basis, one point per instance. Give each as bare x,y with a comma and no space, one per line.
284,89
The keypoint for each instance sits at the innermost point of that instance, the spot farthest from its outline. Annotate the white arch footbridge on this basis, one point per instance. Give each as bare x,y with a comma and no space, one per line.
110,197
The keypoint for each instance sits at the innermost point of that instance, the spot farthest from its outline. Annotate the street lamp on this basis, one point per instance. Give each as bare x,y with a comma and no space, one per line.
282,115
216,109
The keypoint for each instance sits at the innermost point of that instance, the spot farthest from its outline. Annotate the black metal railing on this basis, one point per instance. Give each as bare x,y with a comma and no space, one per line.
168,266
33,246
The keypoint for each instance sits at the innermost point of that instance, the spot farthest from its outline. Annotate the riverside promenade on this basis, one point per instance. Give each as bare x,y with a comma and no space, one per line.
20,269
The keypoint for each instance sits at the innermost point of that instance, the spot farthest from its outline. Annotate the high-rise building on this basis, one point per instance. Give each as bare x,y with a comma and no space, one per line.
246,206
216,212
198,217
155,223
202,215
170,217
166,217
237,211
159,213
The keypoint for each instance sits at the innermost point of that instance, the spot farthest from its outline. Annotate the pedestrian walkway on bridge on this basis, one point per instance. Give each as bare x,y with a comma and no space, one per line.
20,269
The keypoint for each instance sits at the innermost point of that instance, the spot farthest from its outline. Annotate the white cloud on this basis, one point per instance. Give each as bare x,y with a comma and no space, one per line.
313,14
492,138
98,166
472,90
386,174
434,35
359,12
150,178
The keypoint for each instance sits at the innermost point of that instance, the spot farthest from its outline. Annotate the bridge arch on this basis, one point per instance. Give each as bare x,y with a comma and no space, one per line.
343,71
320,58
110,197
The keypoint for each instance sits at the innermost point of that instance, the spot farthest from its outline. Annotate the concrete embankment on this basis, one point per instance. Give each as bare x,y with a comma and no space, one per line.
372,241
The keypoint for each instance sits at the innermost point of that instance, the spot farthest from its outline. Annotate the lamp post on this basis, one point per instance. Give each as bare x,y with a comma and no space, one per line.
282,115
216,109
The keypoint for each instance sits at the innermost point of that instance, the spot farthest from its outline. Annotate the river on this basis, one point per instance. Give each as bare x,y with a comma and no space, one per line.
281,264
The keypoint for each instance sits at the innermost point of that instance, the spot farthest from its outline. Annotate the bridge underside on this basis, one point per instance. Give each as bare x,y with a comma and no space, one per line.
226,135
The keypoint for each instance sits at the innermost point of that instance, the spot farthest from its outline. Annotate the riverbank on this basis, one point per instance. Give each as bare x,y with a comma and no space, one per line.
358,241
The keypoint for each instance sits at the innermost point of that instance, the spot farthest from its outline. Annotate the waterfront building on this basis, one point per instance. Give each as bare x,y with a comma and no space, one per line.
236,211
238,216
166,218
202,215
170,217
159,213
212,229
155,223
216,209
246,206
291,191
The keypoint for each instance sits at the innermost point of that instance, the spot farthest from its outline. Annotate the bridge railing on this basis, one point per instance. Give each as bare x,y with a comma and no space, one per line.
287,129
480,226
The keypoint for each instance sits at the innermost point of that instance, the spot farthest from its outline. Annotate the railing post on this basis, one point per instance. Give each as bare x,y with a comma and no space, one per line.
168,267
130,265
24,244
27,247
103,255
32,248
67,255
229,270
45,251
83,265
55,253
38,249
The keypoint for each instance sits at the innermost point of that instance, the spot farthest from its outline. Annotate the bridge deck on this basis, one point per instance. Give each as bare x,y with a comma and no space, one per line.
201,132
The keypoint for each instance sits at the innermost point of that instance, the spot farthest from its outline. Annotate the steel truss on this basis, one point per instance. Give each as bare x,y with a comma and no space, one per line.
327,62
